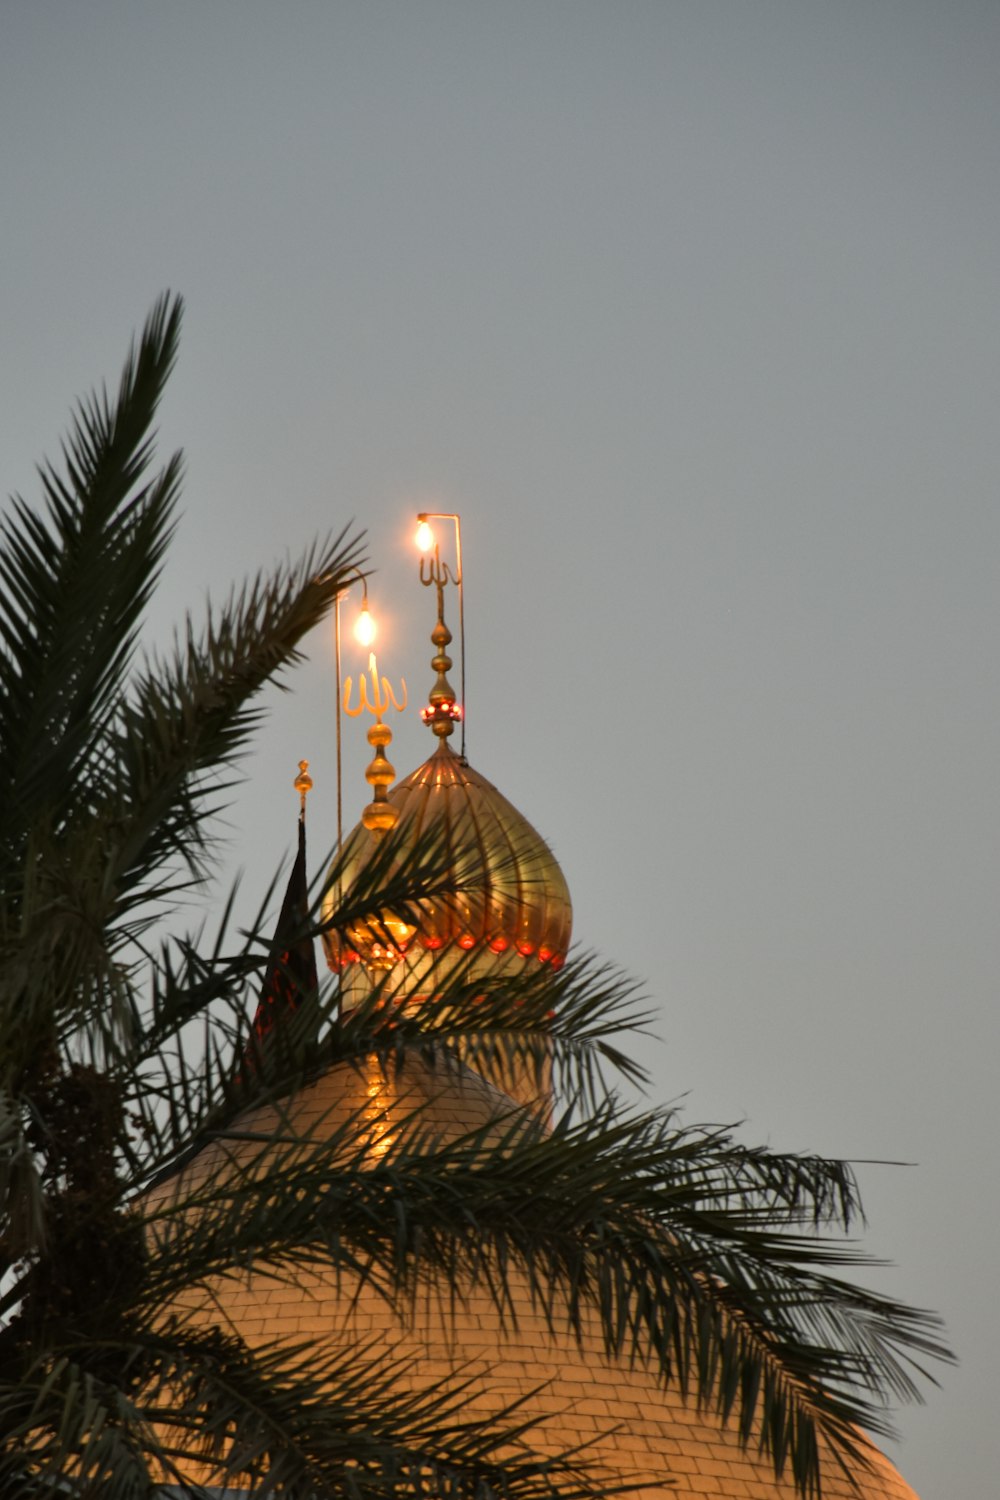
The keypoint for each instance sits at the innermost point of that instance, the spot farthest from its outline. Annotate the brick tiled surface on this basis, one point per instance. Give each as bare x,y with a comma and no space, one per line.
632,1427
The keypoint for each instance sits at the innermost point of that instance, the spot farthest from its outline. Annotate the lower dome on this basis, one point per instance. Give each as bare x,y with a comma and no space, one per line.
636,1433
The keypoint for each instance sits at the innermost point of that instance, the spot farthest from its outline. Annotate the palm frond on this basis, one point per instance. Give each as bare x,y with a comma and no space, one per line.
75,584
281,1419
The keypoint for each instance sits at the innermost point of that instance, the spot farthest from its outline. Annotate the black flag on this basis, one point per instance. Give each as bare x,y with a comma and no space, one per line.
291,969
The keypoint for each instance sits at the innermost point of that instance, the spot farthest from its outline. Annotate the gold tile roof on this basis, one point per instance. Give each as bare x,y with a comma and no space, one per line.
635,1430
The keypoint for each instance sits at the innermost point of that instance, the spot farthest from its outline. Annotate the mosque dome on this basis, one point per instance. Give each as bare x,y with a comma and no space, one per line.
505,898
634,1431
502,904
497,898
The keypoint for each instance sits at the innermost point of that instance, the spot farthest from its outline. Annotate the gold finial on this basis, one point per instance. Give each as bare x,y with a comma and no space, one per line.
303,785
442,711
380,815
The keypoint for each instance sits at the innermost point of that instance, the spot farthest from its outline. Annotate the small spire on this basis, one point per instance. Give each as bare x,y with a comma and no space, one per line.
443,712
303,785
380,815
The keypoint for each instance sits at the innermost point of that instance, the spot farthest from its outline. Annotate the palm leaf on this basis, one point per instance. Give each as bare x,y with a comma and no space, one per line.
283,1418
75,585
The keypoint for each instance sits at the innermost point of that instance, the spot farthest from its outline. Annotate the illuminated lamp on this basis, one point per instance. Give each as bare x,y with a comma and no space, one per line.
424,537
364,626
364,632
466,941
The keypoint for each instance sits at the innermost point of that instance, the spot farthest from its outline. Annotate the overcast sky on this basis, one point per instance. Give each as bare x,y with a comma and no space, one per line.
693,312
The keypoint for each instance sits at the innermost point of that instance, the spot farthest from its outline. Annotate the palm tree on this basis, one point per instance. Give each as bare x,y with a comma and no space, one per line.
125,1051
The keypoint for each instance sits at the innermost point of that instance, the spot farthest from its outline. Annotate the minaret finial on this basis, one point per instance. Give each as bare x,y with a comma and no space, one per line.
442,711
303,785
380,815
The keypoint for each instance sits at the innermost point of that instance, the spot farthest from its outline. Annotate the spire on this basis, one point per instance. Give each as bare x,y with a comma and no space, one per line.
443,711
380,815
303,785
290,976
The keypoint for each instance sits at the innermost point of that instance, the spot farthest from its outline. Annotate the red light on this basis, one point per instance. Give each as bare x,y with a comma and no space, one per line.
433,943
544,954
499,945
526,949
466,940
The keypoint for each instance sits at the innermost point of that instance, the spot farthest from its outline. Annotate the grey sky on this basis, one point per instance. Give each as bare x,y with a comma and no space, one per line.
693,311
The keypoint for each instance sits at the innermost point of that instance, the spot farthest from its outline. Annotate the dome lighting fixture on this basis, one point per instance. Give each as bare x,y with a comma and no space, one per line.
364,625
425,535
364,634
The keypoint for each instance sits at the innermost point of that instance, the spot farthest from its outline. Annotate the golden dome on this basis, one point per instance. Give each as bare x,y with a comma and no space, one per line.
633,1429
539,1346
510,899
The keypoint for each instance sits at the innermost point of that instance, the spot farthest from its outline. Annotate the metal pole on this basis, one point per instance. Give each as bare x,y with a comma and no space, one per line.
336,633
340,805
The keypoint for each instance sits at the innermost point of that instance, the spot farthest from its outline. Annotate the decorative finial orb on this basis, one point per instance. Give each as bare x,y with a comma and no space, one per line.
303,783
380,815
442,712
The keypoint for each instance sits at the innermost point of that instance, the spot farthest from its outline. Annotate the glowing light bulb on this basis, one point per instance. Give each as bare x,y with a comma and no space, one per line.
364,628
424,537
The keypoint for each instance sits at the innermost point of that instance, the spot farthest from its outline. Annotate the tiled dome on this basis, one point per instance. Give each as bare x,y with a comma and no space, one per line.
632,1429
